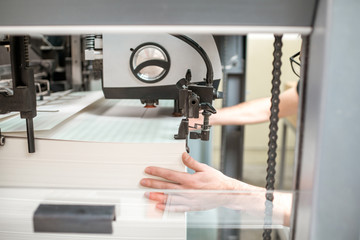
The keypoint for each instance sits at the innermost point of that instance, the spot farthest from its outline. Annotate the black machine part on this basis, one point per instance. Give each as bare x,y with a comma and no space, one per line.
193,97
24,93
74,218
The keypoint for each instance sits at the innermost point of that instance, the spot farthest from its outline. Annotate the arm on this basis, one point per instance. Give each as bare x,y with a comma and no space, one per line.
208,178
254,111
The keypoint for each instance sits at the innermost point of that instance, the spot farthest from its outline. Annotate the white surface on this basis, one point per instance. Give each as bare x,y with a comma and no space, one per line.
125,121
3,116
47,99
75,164
136,217
117,54
53,111
107,145
96,155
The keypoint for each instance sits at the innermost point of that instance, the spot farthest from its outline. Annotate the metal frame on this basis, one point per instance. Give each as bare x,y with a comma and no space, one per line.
204,16
76,67
232,53
232,49
327,206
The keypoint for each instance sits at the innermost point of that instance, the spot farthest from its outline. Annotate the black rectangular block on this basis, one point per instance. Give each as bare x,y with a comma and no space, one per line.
74,218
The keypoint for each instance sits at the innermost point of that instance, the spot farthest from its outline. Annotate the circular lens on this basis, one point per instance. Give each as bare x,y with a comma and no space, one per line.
149,62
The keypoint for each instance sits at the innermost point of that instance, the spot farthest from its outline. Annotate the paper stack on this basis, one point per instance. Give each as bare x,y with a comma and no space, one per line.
89,149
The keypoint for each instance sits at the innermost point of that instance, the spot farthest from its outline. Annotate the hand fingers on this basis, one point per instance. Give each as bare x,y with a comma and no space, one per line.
163,203
156,196
158,184
170,199
175,202
171,175
191,163
179,208
173,208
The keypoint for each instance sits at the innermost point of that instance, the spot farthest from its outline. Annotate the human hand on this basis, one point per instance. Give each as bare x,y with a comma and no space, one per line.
205,177
251,204
185,200
244,197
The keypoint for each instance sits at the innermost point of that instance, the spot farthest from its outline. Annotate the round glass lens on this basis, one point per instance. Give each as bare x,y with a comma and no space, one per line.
147,53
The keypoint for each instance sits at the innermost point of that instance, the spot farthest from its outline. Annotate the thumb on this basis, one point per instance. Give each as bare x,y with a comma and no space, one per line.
191,163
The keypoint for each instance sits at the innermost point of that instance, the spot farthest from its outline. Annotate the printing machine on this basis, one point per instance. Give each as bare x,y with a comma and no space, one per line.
325,193
145,67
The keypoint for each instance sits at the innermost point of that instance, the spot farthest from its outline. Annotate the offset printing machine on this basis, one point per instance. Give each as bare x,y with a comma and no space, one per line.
70,160
144,67
179,69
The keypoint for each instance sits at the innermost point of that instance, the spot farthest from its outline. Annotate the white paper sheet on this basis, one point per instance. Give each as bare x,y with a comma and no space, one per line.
46,100
118,121
53,111
74,164
106,145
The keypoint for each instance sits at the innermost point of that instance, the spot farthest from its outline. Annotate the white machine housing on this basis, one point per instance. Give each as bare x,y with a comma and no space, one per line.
119,81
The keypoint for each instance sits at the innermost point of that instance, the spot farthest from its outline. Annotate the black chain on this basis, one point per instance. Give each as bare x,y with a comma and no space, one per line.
274,118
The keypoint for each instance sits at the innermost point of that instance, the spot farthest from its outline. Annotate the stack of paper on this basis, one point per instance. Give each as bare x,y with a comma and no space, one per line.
86,142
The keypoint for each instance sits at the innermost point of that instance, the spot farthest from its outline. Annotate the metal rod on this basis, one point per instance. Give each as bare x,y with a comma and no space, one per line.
30,135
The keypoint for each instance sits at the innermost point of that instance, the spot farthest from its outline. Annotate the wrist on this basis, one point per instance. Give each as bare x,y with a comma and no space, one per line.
235,185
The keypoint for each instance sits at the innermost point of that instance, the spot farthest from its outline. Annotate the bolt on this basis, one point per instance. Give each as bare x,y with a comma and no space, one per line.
2,140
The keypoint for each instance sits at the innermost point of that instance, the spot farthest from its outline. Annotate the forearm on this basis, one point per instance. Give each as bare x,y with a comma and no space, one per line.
250,112
252,199
256,111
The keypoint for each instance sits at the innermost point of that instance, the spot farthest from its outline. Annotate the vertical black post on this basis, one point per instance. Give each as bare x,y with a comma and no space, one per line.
23,85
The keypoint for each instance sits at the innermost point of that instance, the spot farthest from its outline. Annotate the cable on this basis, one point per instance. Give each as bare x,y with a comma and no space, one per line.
209,69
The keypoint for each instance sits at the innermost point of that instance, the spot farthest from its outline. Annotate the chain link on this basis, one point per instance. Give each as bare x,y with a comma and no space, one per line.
274,118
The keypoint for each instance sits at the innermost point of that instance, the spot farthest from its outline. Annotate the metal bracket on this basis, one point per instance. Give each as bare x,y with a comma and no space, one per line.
192,98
